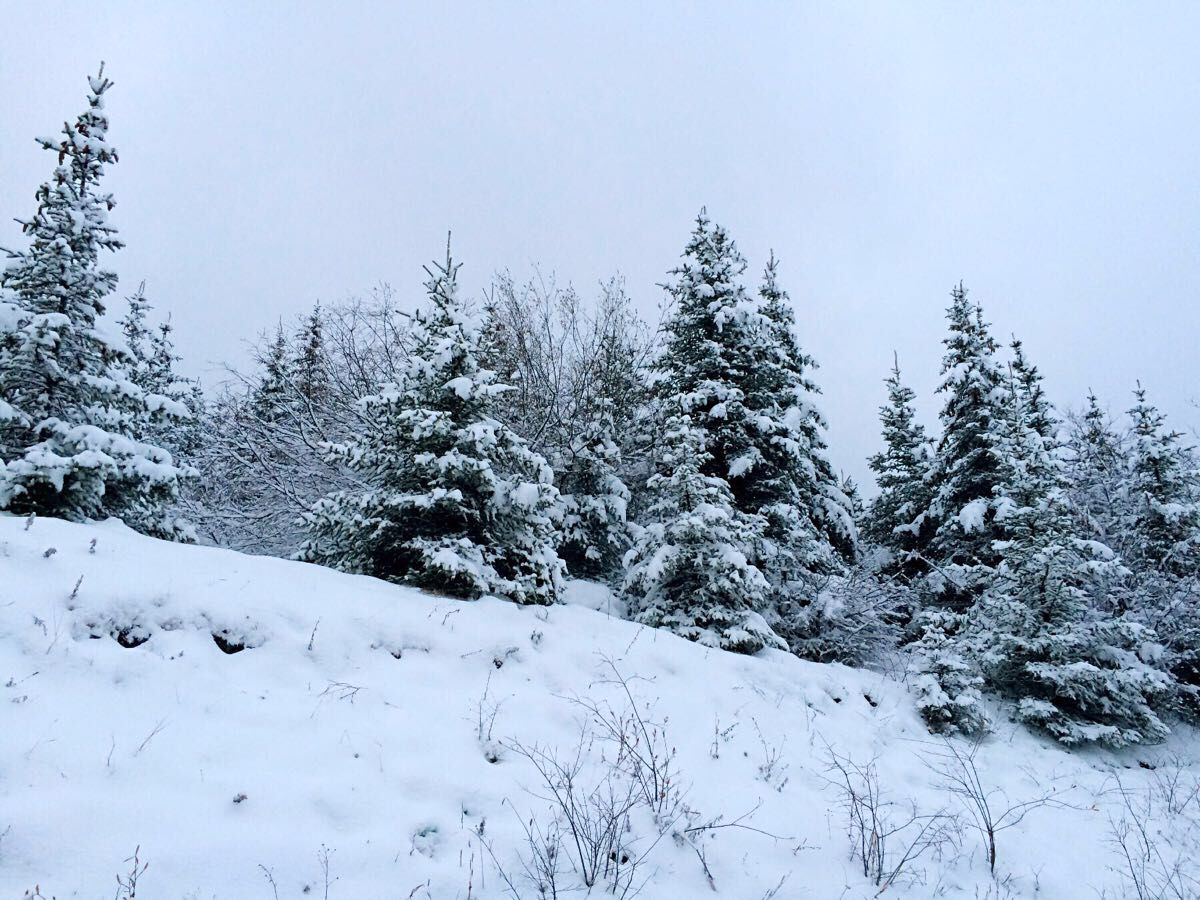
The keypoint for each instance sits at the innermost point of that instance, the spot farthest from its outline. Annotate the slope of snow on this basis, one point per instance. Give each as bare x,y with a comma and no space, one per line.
348,730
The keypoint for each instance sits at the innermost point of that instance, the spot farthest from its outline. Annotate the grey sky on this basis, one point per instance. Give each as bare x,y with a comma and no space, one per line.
277,154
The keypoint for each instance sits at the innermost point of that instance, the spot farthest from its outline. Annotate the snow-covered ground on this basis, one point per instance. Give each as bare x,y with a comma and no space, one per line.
372,731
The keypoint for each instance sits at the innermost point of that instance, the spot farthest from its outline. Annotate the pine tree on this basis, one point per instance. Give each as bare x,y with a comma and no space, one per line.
73,442
1160,514
1163,493
690,569
312,379
595,532
452,500
274,389
960,528
1044,631
1097,471
901,471
791,432
174,403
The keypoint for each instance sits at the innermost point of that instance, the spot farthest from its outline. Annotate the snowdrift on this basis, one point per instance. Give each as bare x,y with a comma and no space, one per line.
265,728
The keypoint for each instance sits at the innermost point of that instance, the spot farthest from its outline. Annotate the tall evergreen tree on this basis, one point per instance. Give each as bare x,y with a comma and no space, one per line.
1163,493
451,499
1097,469
309,366
901,472
791,432
968,463
274,389
1045,631
73,440
690,570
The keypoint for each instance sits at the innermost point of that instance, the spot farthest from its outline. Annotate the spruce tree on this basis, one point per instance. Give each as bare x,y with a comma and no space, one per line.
174,404
595,531
712,466
451,499
1097,471
1163,493
1045,631
274,391
309,365
901,472
690,569
791,431
968,466
73,441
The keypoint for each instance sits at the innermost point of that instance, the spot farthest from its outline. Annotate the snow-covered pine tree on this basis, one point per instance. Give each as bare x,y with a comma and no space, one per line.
1097,470
309,365
595,531
451,500
1160,514
1045,631
901,470
955,535
791,432
73,442
275,386
174,404
968,465
690,570
1163,494
713,472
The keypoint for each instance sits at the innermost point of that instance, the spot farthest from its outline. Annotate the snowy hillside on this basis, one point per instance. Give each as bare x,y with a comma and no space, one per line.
365,741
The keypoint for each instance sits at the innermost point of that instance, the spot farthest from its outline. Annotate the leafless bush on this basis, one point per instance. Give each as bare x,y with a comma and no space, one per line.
989,810
590,837
772,769
641,749
720,736
1176,789
1157,851
127,884
485,724
888,837
589,827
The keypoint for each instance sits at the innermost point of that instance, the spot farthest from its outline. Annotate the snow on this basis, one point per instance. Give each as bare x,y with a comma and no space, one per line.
971,516
359,719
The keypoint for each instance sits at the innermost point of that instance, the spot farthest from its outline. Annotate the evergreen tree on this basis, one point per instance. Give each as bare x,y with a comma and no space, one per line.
309,366
690,569
901,471
960,529
790,429
713,471
595,532
1045,631
1163,493
452,500
1160,513
73,440
274,389
1097,471
174,404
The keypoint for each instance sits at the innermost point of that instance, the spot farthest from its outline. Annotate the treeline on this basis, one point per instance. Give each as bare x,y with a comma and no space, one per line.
1028,562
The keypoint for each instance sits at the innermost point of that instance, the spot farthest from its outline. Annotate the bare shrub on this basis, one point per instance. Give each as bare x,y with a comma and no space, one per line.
590,836
127,884
989,810
1156,851
888,837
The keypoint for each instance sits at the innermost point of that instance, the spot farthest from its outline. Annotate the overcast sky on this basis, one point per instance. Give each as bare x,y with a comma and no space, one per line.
274,154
